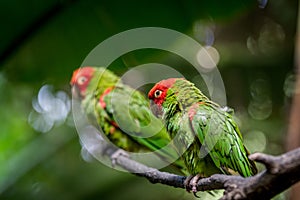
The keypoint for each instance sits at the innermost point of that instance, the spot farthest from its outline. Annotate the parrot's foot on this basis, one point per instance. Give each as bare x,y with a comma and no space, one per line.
116,155
191,183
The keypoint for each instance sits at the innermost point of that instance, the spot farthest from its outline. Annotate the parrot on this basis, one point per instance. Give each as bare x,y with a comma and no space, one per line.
204,133
118,110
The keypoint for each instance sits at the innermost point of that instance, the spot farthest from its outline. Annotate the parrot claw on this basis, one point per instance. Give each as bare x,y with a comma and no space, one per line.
191,184
116,155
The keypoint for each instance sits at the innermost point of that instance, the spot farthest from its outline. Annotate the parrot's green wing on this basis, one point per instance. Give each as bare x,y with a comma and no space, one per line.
130,110
221,139
102,119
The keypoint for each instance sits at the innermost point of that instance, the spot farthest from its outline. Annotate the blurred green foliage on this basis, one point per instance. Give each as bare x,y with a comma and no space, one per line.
42,42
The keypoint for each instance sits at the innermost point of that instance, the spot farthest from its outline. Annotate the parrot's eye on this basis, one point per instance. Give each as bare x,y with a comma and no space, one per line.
157,93
81,80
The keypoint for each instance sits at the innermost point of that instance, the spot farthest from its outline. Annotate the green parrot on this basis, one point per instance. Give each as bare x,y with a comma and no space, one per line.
122,113
204,133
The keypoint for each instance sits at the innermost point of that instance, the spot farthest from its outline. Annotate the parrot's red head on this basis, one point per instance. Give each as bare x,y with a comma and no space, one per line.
158,93
81,79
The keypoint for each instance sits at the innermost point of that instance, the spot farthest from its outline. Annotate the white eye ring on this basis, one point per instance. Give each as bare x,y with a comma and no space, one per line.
81,80
157,93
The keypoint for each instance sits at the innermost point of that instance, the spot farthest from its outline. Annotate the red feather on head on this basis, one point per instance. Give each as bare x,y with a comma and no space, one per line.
81,79
158,94
163,86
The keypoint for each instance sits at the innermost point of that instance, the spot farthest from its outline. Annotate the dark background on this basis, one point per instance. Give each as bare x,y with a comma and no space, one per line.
42,42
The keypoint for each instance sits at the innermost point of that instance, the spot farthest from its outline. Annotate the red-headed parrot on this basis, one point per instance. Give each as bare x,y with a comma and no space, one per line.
206,135
121,112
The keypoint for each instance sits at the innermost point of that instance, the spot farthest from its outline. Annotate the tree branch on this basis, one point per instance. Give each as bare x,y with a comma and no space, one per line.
281,172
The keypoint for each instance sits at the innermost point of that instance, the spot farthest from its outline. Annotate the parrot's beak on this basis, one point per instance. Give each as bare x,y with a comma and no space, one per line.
75,92
156,109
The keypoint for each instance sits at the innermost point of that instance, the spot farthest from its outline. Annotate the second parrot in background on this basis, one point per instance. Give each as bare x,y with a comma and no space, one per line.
121,112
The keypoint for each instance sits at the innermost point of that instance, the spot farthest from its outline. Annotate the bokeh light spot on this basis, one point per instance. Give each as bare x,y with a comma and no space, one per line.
289,85
271,37
208,57
260,106
262,3
255,141
204,32
49,109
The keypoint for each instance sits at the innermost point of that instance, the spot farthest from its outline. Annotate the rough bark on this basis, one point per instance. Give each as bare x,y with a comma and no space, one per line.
281,173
